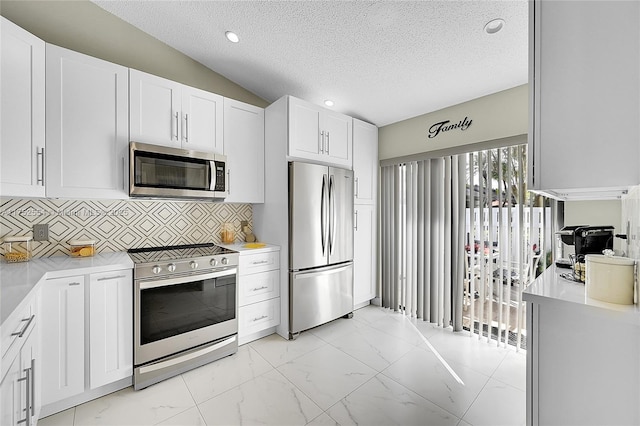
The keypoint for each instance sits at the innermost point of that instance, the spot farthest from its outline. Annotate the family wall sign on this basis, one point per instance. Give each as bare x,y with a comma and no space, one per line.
445,126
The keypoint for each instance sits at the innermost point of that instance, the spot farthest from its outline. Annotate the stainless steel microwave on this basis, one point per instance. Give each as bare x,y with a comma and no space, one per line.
165,172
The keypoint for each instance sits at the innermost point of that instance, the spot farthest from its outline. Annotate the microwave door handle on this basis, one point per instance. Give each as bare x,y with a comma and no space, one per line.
212,175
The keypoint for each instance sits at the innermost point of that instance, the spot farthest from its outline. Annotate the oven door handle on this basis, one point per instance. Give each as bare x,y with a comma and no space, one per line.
155,282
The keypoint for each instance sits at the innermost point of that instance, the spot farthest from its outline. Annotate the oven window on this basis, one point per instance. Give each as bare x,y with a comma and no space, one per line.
166,171
176,309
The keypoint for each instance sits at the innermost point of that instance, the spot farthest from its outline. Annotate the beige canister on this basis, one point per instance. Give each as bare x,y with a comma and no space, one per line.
610,278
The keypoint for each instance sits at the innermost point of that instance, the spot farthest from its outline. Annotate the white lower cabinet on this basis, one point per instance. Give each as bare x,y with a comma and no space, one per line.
110,327
62,307
87,337
364,254
258,294
20,384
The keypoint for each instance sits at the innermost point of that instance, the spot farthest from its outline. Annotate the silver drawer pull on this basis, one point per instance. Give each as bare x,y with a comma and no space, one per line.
262,262
260,318
259,288
24,329
74,283
115,277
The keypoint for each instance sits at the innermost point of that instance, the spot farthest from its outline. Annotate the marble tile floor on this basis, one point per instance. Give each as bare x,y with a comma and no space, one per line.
378,368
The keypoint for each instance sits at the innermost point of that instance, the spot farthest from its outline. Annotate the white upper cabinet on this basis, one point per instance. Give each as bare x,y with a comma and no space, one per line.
22,133
585,64
365,162
163,112
244,147
318,134
87,126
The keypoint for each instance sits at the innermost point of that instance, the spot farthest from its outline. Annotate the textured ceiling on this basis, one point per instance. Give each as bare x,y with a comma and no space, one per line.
381,61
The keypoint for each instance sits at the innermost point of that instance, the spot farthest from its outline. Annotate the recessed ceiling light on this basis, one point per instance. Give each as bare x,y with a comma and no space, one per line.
232,37
328,103
494,26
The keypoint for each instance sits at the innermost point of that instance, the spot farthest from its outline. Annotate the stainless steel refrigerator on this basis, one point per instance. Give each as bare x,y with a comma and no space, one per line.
320,245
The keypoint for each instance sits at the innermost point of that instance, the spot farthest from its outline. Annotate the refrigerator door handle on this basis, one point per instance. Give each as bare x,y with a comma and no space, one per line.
332,212
323,215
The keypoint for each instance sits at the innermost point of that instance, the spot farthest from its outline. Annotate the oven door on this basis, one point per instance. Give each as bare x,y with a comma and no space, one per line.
177,314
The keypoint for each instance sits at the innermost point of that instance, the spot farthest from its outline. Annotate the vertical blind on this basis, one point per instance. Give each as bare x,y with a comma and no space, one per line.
422,230
461,238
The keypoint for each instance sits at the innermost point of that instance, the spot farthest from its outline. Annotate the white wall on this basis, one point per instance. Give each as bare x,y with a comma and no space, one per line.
596,213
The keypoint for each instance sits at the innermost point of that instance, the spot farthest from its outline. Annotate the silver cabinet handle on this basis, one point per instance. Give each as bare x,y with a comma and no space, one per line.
27,408
124,174
356,220
259,288
259,318
40,166
74,283
186,128
176,125
262,262
229,181
115,277
321,141
357,187
327,142
25,328
33,387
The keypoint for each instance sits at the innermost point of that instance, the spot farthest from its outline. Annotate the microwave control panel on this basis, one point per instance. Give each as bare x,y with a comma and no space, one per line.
220,185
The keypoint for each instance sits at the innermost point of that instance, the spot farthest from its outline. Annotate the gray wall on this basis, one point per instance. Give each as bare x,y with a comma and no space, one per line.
84,27
498,116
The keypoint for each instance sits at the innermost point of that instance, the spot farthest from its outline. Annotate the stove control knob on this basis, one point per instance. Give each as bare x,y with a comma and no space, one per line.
225,261
193,264
171,267
213,262
156,269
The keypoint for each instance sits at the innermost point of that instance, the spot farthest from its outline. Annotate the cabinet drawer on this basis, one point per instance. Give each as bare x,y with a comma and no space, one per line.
17,327
258,287
259,262
258,316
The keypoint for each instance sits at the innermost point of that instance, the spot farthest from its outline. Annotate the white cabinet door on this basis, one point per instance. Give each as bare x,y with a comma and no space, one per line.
202,120
12,393
305,137
319,135
586,103
338,138
62,307
365,162
28,357
244,148
22,133
87,126
364,254
110,327
155,109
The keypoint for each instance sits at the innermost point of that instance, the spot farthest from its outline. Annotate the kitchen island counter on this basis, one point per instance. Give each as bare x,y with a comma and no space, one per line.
18,280
582,355
551,288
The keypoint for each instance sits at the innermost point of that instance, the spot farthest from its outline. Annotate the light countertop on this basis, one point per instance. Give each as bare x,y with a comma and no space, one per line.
551,288
240,247
17,280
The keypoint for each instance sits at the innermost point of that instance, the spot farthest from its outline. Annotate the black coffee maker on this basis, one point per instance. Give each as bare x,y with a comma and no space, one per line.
586,240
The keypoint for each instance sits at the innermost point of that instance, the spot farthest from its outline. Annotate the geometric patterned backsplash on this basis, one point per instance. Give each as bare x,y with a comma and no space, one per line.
118,225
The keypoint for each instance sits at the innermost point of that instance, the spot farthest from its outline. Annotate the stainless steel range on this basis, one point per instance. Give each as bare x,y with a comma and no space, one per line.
185,309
